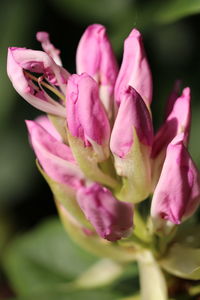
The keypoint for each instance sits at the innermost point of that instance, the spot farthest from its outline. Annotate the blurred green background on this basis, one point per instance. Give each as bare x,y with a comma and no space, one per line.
171,32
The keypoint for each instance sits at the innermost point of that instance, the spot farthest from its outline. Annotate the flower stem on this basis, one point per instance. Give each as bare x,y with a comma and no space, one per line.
152,282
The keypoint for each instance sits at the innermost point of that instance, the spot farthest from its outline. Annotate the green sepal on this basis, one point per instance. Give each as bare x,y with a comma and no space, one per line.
135,169
66,195
88,163
182,261
60,125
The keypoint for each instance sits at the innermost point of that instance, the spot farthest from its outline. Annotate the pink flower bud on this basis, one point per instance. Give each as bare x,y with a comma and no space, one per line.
177,121
130,143
135,69
21,60
111,218
86,116
43,38
95,56
100,63
177,194
132,114
55,157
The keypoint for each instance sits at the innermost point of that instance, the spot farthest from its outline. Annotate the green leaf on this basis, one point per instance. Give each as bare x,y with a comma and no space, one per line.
182,261
44,258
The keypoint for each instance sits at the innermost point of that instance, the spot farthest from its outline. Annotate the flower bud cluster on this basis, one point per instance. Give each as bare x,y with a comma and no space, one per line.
97,144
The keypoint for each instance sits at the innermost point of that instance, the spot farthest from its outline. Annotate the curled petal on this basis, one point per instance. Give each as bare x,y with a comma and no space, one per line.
177,194
101,63
111,218
55,157
21,60
48,47
135,69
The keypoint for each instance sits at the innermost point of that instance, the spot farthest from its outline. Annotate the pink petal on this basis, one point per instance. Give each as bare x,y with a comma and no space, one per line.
86,116
135,69
20,60
101,63
177,194
178,121
55,157
132,113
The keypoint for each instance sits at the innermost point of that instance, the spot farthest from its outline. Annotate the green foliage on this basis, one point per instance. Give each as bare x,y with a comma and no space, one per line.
183,257
46,262
183,262
154,11
170,11
121,15
44,257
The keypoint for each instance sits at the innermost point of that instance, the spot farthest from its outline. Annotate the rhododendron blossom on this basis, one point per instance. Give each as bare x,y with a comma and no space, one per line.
122,190
97,144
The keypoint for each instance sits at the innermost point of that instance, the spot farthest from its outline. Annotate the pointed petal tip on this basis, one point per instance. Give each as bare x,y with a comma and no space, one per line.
135,33
10,49
187,91
96,27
